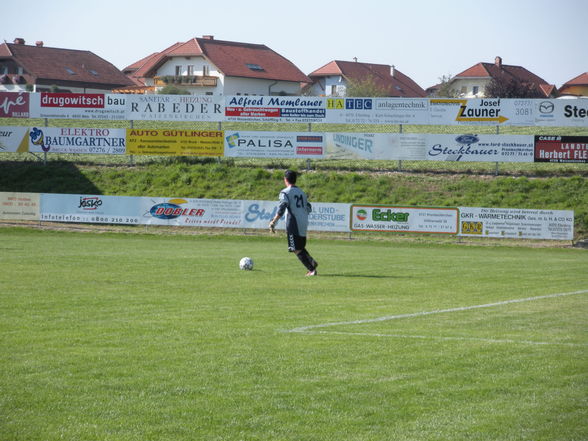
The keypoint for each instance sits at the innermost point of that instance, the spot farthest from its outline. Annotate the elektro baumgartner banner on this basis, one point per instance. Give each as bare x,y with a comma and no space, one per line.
517,223
14,139
77,140
391,146
175,108
90,209
404,219
275,108
377,110
480,148
78,105
274,144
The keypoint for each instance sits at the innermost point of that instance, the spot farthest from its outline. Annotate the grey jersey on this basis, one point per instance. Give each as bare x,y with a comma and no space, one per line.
294,203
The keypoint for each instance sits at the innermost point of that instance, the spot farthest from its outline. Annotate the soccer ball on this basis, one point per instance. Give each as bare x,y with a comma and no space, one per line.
246,263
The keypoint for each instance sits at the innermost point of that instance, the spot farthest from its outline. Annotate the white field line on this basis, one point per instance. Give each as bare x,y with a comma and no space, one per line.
437,311
437,337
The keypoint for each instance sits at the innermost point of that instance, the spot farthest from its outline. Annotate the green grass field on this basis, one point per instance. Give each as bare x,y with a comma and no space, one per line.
119,336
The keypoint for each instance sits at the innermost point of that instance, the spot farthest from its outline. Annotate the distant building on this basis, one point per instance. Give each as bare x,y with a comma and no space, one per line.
208,66
333,79
471,82
576,87
38,68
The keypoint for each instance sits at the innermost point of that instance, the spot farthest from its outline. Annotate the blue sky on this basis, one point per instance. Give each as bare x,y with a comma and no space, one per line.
424,39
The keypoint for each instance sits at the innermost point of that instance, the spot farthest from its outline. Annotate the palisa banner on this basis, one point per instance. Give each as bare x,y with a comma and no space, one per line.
516,223
13,139
78,106
96,209
480,148
20,206
175,108
77,140
295,109
391,146
274,144
377,111
397,219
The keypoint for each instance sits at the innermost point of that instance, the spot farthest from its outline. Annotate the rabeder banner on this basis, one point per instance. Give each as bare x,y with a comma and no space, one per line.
77,140
293,109
78,106
13,139
377,111
516,223
480,148
204,108
274,144
14,105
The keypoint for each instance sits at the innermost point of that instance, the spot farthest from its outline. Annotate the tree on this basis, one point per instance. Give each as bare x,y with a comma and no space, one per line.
365,87
445,90
173,90
510,87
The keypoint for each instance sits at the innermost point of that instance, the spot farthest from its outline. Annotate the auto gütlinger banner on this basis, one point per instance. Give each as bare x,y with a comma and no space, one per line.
398,219
175,142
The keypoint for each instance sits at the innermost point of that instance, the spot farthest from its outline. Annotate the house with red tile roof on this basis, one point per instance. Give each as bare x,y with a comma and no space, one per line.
576,87
209,66
38,68
333,79
472,82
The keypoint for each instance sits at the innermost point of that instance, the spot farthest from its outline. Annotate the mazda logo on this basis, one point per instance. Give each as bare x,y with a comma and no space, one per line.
546,107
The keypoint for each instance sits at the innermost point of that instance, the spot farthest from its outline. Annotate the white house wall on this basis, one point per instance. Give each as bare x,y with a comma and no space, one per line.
469,84
255,86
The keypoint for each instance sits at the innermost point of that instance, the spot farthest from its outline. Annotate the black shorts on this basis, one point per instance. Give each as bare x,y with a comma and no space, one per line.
295,242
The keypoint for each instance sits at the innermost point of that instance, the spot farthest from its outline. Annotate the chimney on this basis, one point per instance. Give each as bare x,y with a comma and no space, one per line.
19,41
392,69
208,37
498,62
355,59
39,43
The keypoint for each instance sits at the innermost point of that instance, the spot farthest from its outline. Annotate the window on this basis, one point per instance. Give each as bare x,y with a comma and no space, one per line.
69,71
464,89
178,71
255,67
93,72
206,70
333,90
475,90
190,70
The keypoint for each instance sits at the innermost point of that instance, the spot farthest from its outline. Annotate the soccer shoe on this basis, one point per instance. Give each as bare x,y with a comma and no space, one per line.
312,273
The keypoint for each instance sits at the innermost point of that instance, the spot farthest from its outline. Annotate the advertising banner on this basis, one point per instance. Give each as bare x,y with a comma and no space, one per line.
481,111
206,108
392,146
13,139
397,219
561,113
14,105
561,149
78,106
20,206
516,223
274,144
77,140
90,209
275,109
175,142
182,212
480,148
377,111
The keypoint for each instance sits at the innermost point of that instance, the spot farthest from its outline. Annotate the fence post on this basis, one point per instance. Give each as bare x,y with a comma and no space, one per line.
497,171
131,159
44,152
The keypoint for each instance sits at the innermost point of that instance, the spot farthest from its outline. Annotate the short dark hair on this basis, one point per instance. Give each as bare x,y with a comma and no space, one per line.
290,176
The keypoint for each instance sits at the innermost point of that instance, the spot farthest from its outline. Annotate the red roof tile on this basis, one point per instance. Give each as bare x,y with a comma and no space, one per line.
397,84
46,64
580,80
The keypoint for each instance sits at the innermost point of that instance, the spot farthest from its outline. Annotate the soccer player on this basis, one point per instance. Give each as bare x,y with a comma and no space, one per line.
294,203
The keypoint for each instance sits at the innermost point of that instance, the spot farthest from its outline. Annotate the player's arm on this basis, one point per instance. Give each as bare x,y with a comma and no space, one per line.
281,210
